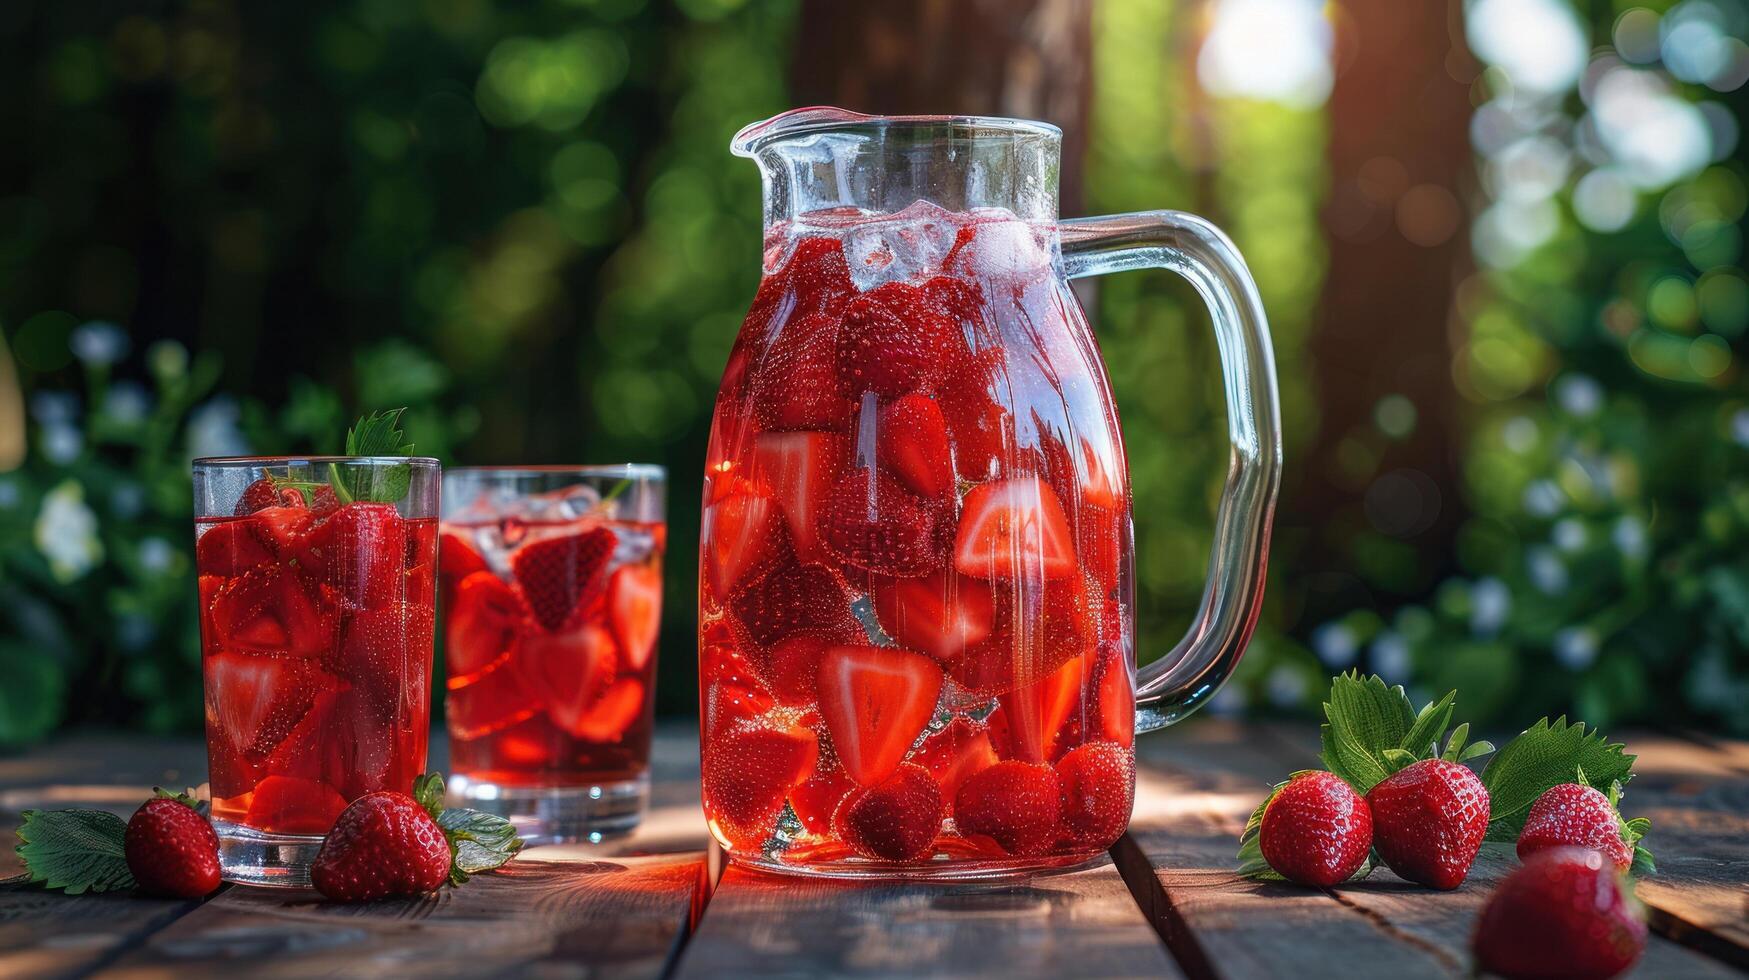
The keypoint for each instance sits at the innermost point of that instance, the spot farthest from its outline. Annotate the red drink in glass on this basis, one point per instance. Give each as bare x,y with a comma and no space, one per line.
317,620
552,598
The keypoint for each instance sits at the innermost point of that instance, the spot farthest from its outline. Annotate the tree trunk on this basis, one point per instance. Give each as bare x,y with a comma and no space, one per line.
1399,160
1021,58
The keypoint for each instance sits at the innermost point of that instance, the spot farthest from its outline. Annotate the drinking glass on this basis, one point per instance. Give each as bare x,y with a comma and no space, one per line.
318,580
551,581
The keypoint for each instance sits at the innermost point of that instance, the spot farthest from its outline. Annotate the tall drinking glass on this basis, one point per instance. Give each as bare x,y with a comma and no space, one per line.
318,580
552,594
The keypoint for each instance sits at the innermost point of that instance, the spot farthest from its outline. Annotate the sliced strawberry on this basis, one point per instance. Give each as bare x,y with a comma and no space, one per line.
386,654
941,613
728,704
360,551
255,701
300,752
1038,628
282,529
619,706
871,522
230,547
720,657
896,819
482,624
456,560
1013,804
1096,790
558,575
567,672
956,753
875,701
269,611
263,493
795,598
893,340
914,445
1116,707
979,427
1035,713
634,608
743,536
488,700
800,468
363,753
793,665
1014,529
747,776
818,797
1100,535
289,805
796,384
815,279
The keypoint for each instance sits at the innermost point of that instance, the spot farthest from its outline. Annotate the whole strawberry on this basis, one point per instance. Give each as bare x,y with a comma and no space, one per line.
171,848
383,844
1576,816
1563,915
896,819
1014,804
387,843
1316,830
1428,821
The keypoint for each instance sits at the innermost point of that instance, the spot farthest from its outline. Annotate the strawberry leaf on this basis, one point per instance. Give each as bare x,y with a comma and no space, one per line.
185,798
75,850
1546,755
428,793
1364,718
1429,727
478,841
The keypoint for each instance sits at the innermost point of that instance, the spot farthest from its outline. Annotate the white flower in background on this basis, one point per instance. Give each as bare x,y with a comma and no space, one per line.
1541,45
61,443
156,555
8,494
1575,647
1629,537
126,500
1490,604
1285,687
54,407
1276,50
128,402
66,532
98,343
1579,395
1336,645
213,431
1389,656
1543,499
1547,570
1569,534
1740,427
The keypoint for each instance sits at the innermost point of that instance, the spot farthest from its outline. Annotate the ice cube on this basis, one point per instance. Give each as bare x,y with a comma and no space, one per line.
906,246
632,544
1005,247
571,503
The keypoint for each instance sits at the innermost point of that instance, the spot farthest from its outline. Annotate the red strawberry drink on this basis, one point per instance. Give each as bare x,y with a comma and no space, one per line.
318,582
916,558
552,595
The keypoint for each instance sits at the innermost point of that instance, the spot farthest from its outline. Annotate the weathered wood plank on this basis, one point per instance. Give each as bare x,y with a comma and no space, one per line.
1079,923
46,934
620,918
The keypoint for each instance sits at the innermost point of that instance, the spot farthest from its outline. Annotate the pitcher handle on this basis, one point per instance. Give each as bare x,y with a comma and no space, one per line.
1171,688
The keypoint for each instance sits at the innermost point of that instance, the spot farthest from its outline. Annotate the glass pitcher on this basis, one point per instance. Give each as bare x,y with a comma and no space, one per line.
917,598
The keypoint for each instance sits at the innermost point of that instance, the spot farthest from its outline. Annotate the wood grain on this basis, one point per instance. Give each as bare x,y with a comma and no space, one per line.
1079,923
609,919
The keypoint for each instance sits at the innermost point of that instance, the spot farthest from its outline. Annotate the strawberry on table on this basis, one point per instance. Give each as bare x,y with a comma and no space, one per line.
1013,804
171,849
634,608
559,575
748,773
1096,790
1429,820
875,701
389,843
1014,529
1566,914
1316,830
896,819
800,469
1572,815
872,523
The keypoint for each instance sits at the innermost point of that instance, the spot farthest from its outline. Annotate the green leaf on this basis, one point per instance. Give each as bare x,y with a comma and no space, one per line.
1454,746
1365,718
1423,737
376,434
1474,750
1544,755
76,850
185,798
1396,759
1643,865
428,793
478,841
1250,856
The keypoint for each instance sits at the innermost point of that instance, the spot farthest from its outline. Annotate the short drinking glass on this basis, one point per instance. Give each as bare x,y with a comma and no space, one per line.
318,580
552,592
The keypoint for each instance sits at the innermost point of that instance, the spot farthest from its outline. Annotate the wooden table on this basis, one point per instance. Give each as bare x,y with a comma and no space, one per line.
659,905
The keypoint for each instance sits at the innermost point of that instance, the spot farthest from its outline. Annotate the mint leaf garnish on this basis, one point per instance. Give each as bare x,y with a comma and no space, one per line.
376,434
478,841
75,850
1547,754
